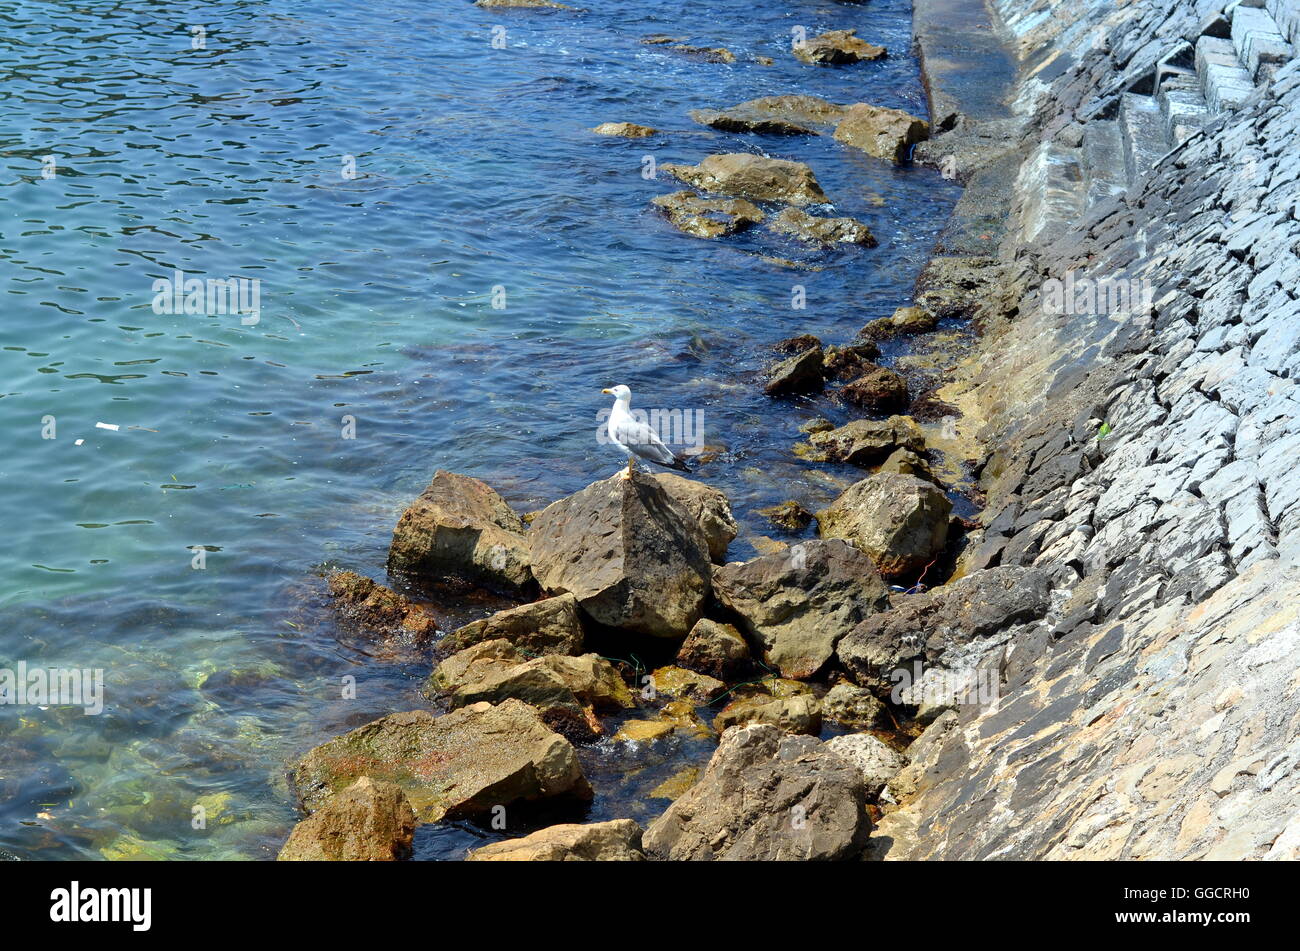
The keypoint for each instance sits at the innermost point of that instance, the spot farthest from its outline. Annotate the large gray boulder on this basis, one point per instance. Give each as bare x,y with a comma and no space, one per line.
367,822
460,527
797,603
618,840
457,765
923,627
744,175
630,553
549,626
766,796
899,520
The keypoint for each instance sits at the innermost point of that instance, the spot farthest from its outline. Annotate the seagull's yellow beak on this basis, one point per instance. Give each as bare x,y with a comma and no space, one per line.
607,390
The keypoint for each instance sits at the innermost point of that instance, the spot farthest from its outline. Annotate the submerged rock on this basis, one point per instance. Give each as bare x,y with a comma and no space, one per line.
708,217
708,506
618,840
899,520
837,47
709,54
379,610
549,626
629,552
801,373
788,516
714,649
798,603
824,231
766,795
877,390
367,822
460,526
627,130
877,762
925,626
798,714
643,731
884,133
743,175
456,765
864,442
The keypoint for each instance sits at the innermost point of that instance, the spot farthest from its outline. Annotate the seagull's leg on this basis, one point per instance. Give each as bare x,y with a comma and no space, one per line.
627,473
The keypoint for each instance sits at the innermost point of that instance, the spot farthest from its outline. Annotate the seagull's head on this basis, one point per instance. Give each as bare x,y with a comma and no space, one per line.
619,392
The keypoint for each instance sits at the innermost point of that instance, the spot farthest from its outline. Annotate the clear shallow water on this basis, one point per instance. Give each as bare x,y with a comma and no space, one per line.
475,169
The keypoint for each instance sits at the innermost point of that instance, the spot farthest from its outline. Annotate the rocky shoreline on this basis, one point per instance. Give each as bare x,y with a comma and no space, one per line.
999,680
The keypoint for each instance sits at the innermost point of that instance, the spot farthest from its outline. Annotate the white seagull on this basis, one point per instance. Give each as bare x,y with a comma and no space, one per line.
636,438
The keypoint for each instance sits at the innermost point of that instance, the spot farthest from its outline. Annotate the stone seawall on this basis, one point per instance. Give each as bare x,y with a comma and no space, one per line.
1140,445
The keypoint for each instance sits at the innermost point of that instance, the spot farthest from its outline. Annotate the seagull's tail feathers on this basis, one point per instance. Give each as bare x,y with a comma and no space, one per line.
679,463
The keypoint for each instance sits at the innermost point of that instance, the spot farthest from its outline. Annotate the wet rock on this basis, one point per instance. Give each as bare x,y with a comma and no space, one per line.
800,714
714,649
798,603
900,521
877,761
742,806
788,516
884,133
878,390
854,706
459,526
566,691
742,175
643,731
627,130
708,217
824,231
708,506
379,610
797,344
773,115
618,840
867,441
549,626
456,765
801,373
367,822
675,785
631,554
846,363
905,321
709,54
686,684
925,626
837,47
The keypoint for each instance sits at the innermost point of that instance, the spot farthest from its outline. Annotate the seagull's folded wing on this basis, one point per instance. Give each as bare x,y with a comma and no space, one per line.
641,440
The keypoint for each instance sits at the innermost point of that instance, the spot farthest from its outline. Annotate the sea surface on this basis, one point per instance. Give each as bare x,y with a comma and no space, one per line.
450,267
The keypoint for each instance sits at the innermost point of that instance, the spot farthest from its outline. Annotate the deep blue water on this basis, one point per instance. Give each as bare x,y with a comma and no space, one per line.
475,170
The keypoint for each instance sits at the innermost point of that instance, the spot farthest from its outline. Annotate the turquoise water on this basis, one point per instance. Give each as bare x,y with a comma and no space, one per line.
475,170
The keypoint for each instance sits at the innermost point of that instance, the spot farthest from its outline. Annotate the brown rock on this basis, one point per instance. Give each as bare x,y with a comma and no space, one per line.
788,516
618,840
708,506
379,610
459,764
877,390
864,442
801,714
904,321
549,626
627,130
367,822
900,521
743,175
884,133
837,47
460,526
708,217
715,649
801,373
823,231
